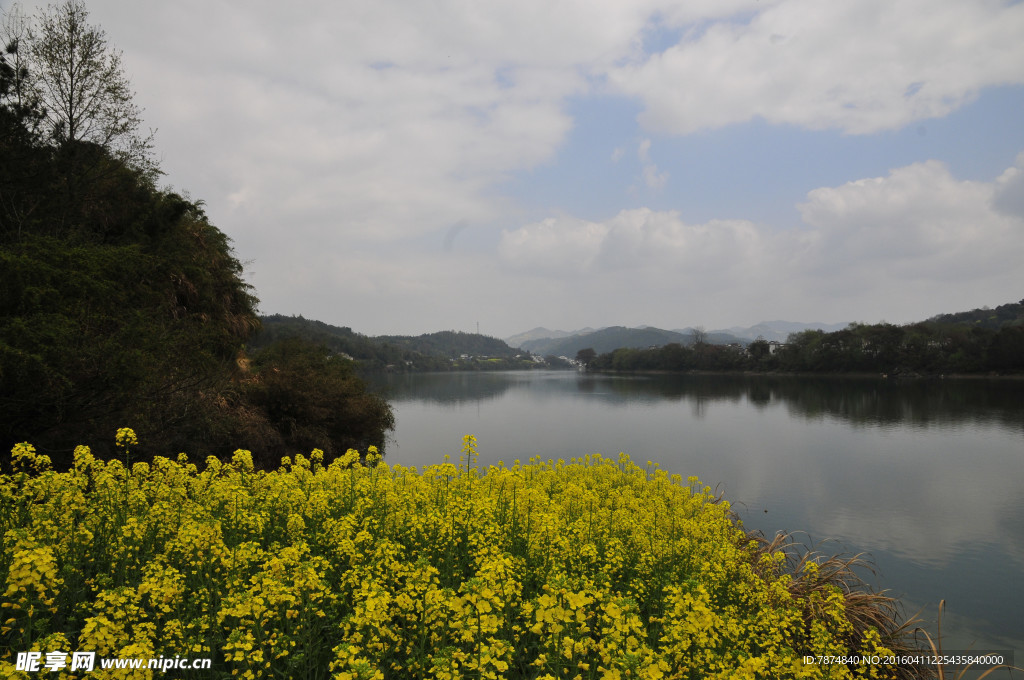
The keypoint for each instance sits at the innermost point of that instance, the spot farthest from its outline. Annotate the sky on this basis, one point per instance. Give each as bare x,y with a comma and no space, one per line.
403,167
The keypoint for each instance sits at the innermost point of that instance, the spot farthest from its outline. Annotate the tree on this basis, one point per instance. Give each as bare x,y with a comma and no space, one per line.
82,87
69,128
586,356
313,399
759,349
1006,349
15,76
24,177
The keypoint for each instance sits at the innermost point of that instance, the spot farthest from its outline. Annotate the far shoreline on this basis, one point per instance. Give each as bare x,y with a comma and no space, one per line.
830,374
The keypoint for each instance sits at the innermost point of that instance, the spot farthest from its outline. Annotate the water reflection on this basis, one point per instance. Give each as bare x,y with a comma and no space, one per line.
871,401
444,388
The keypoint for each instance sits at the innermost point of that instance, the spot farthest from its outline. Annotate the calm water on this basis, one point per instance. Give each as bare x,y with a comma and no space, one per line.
925,476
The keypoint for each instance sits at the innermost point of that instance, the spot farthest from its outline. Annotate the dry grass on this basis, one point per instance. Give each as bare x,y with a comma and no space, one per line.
866,608
935,647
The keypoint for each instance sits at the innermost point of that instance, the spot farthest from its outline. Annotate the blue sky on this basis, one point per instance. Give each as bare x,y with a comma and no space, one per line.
405,167
756,169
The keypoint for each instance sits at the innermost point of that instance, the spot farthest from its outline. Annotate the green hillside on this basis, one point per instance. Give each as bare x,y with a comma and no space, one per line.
1003,316
438,351
452,344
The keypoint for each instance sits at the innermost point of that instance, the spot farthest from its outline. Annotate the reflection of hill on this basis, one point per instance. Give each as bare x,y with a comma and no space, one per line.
654,388
917,402
867,401
443,388
857,400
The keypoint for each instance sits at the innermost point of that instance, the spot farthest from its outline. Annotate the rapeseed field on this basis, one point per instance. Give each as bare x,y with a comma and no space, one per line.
595,568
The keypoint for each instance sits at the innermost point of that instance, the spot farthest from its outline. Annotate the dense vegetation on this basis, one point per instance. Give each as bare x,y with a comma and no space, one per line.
1003,316
367,351
119,301
670,357
595,568
924,348
454,344
440,351
983,341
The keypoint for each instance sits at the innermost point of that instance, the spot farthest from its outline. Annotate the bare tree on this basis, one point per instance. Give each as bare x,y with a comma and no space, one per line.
20,121
82,87
700,336
15,38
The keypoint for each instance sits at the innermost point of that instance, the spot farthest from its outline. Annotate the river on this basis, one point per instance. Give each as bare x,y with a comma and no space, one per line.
925,476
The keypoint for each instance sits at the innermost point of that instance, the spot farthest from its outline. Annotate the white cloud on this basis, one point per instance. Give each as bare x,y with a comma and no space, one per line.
918,223
562,246
857,65
1009,190
645,246
869,249
643,151
652,178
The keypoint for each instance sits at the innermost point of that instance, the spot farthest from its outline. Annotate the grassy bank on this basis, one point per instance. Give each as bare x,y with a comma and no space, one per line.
592,568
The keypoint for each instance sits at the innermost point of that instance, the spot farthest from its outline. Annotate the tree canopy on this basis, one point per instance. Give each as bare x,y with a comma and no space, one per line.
78,82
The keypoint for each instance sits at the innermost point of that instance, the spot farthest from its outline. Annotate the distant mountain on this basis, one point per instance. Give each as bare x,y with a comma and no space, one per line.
614,337
541,333
779,330
718,337
543,341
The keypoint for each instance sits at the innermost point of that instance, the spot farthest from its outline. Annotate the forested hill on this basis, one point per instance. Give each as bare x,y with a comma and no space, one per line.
428,352
338,339
1011,314
452,344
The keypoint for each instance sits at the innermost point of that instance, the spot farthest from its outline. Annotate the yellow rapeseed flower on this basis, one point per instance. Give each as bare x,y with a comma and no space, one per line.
595,566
